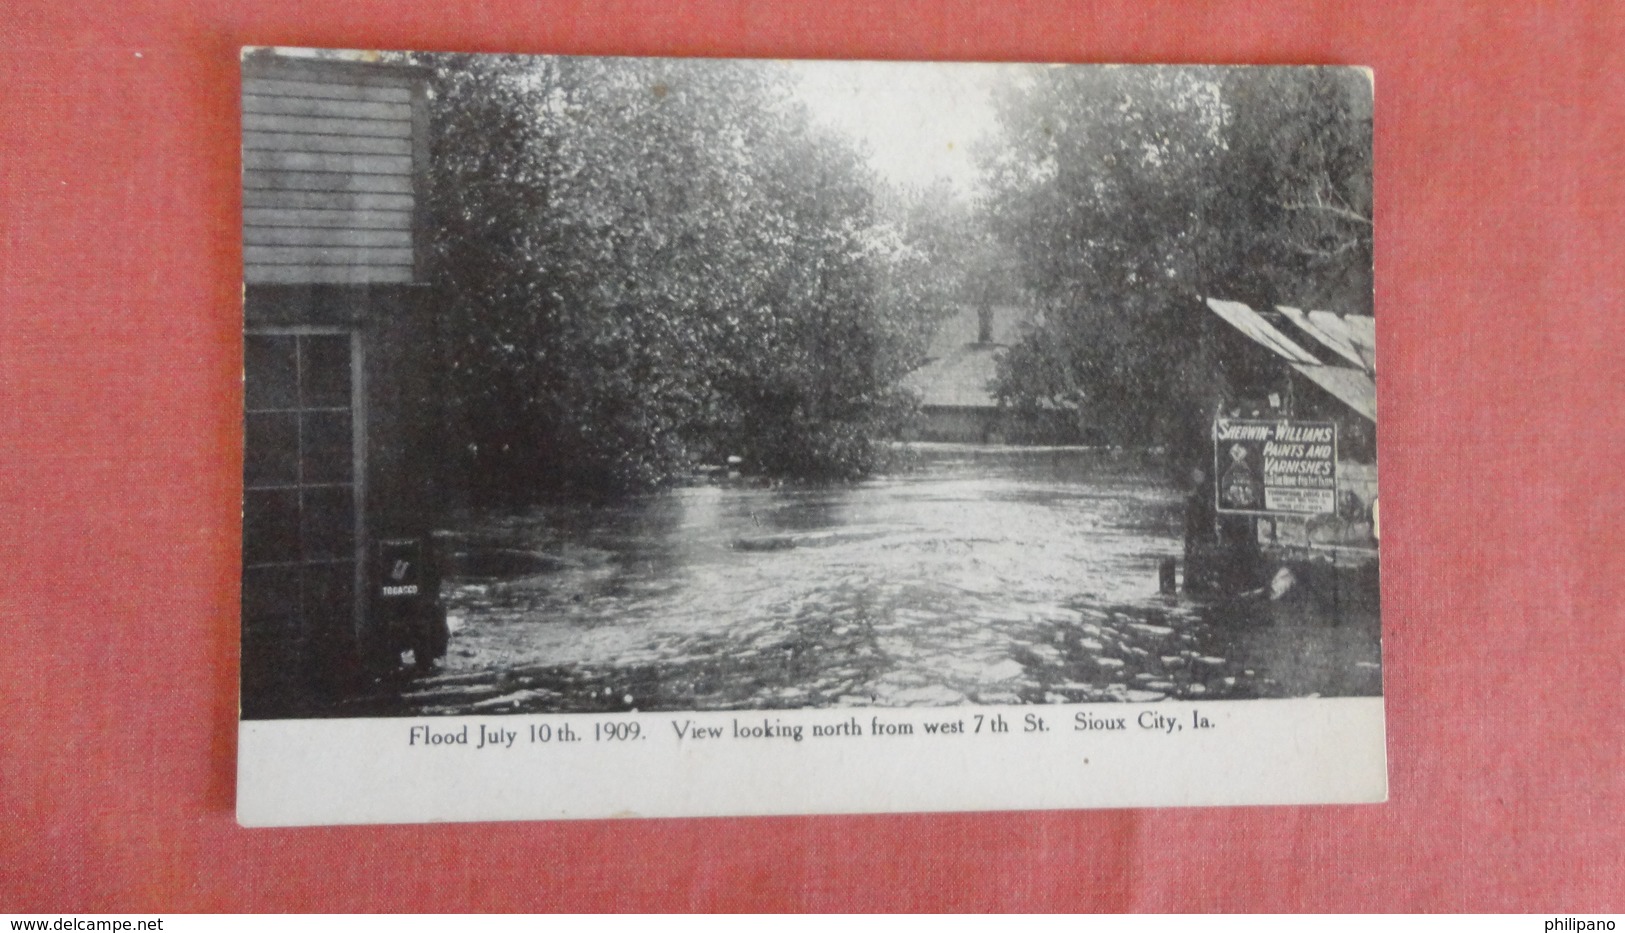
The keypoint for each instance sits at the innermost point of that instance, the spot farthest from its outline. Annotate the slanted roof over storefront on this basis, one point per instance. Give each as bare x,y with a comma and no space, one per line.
1361,331
1249,322
1331,334
1351,338
1351,387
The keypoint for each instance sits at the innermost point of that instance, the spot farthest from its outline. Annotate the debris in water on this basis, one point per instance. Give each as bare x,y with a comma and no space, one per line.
1282,583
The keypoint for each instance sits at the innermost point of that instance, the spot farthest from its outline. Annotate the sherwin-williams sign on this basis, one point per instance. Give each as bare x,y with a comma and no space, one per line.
1275,467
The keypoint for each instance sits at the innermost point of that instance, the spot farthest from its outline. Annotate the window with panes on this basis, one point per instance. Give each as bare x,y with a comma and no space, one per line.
300,497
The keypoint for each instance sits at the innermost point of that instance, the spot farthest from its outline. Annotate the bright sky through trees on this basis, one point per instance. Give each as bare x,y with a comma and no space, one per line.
918,122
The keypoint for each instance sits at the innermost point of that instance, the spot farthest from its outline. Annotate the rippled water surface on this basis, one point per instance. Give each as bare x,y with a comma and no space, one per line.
981,575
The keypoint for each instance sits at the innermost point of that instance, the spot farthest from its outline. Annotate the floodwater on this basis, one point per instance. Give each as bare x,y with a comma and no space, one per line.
994,575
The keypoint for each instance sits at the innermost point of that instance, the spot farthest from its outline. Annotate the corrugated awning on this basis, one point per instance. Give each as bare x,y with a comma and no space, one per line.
1351,386
1338,341
1358,331
1353,338
1363,331
1249,322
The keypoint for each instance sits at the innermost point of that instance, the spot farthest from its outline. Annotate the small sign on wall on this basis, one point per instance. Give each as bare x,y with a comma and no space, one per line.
400,568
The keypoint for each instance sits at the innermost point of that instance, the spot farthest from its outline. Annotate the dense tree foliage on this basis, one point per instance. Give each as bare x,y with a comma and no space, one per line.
645,264
1130,193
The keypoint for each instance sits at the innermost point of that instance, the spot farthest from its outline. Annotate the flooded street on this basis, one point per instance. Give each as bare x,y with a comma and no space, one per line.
993,575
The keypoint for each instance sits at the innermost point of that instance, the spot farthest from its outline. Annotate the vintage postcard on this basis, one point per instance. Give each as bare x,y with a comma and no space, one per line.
675,437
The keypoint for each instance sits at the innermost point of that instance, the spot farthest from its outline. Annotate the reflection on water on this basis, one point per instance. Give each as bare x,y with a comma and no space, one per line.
984,575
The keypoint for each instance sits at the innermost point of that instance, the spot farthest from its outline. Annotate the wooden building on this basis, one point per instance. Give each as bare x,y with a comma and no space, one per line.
1318,366
340,408
955,384
956,400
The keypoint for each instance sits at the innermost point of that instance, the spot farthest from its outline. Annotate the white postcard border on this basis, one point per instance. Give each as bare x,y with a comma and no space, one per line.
1251,752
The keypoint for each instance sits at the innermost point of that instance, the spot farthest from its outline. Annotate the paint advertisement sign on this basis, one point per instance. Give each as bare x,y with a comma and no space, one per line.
1275,467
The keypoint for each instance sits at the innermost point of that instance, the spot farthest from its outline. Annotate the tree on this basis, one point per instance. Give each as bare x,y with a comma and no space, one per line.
644,263
1129,193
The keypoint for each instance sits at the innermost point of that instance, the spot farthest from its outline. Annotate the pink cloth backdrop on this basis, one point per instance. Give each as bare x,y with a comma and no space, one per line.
1501,301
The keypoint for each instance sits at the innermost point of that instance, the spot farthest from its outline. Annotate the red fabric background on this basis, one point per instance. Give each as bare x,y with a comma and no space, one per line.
1501,280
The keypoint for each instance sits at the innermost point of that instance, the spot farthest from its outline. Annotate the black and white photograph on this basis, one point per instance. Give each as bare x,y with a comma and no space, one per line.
611,384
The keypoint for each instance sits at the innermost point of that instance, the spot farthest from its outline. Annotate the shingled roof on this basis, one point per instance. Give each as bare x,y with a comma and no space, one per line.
960,368
959,380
